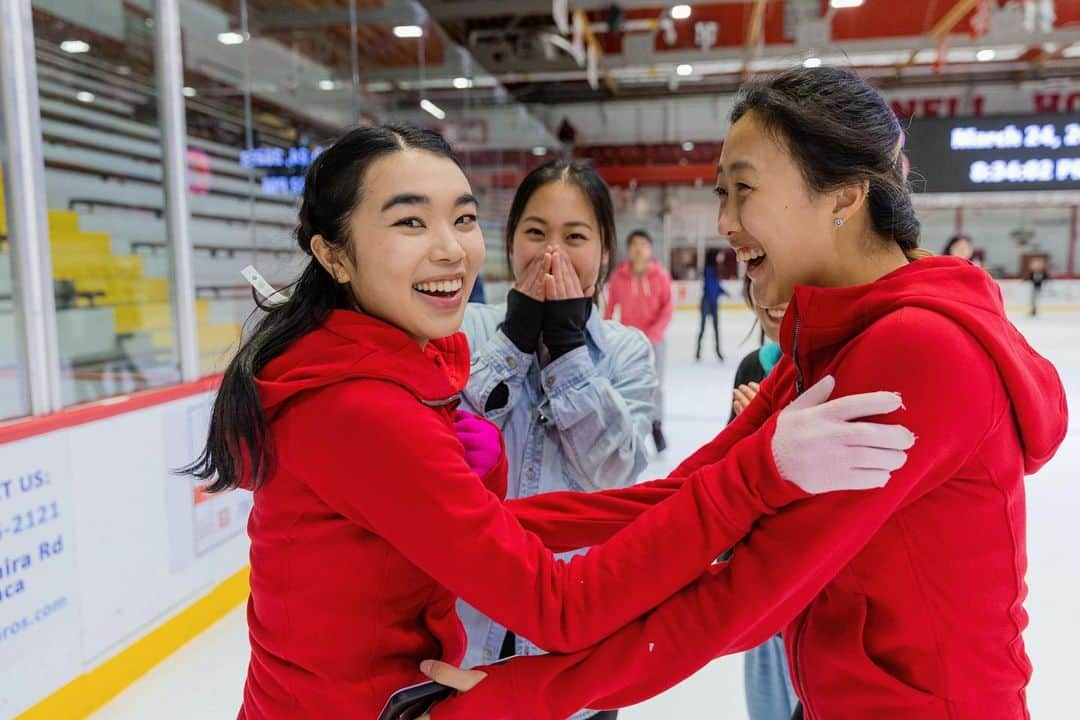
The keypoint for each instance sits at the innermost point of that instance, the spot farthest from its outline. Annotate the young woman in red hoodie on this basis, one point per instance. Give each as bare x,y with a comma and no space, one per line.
376,505
904,603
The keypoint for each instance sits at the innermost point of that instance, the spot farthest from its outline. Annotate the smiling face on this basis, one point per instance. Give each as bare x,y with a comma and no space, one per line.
783,231
771,320
559,214
416,244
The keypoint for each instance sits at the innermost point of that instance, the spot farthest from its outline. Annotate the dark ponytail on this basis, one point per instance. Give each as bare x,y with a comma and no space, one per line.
238,450
840,131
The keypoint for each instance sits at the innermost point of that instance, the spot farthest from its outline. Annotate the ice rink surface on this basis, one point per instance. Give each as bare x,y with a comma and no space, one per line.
204,679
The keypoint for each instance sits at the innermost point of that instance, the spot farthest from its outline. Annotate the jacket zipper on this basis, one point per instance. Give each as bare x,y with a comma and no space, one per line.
800,386
797,659
456,397
800,383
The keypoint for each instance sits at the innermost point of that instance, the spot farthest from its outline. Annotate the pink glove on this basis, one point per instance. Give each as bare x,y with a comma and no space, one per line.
819,446
482,441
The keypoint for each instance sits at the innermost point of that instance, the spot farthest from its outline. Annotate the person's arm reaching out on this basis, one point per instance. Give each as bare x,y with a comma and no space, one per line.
770,579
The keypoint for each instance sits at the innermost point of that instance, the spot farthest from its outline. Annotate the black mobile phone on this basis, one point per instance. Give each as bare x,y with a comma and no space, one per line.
412,702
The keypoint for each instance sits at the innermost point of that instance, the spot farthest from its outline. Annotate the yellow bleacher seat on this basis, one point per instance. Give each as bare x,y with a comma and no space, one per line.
90,242
214,340
63,221
128,267
217,344
150,290
140,304
60,221
218,337
142,290
80,267
140,318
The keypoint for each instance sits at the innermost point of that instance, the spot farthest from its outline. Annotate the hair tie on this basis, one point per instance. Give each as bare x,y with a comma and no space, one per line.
899,147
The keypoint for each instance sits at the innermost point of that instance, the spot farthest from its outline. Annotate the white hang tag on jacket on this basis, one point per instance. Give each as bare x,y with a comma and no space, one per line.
262,287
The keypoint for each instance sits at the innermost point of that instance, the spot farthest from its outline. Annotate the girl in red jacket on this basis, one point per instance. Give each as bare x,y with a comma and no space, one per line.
376,505
904,603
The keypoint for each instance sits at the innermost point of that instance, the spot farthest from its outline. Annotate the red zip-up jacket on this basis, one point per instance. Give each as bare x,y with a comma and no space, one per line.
904,603
371,525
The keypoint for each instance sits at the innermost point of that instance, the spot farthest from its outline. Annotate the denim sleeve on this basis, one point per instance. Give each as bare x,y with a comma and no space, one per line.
602,421
496,361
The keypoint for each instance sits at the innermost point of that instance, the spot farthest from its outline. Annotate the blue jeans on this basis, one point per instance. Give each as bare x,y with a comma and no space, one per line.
769,693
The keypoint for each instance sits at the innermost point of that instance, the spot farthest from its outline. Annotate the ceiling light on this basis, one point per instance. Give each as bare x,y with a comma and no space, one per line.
327,85
685,69
408,31
812,62
230,38
462,83
86,97
189,91
75,46
539,151
688,146
840,4
433,109
985,55
680,12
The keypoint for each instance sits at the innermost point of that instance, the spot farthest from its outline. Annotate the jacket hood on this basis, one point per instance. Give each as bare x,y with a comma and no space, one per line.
968,296
351,346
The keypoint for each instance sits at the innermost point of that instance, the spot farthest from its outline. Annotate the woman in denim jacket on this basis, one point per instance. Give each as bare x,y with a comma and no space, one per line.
572,393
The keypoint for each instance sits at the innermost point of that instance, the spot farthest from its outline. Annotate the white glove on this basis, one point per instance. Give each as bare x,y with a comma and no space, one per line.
818,446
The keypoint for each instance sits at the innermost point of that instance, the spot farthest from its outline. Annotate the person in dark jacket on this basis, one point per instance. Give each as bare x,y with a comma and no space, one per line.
711,292
757,365
1037,276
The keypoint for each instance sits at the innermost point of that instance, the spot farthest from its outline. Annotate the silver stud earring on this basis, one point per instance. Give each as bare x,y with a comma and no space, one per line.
839,222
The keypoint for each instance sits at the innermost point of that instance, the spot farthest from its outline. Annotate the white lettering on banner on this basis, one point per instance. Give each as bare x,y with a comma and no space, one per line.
39,636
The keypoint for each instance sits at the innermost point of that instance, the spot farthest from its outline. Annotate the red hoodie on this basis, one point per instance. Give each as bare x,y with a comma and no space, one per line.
645,299
904,603
372,524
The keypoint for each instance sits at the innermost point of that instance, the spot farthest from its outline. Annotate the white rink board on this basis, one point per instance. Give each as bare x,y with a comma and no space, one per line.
136,548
